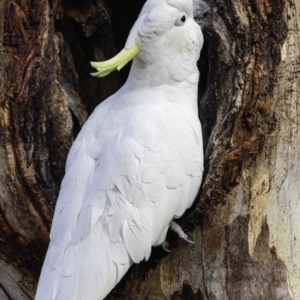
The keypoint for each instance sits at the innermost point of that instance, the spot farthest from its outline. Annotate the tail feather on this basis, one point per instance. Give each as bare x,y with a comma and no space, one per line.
89,269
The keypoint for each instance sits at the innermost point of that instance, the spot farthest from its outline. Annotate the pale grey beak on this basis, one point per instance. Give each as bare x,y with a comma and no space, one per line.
203,13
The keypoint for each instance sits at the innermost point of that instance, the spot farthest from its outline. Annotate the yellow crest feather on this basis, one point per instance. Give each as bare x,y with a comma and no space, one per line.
117,62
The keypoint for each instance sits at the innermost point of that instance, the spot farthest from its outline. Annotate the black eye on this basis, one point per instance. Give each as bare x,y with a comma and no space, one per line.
180,20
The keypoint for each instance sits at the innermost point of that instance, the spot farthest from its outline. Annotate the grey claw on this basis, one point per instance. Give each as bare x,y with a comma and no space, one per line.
165,246
187,240
177,229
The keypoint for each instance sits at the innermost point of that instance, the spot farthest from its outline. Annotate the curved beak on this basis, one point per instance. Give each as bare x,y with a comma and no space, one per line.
203,13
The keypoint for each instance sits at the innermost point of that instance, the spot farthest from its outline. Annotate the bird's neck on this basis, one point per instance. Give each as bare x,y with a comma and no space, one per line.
161,77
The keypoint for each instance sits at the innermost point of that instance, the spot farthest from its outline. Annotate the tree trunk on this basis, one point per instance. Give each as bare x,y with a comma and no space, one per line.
245,221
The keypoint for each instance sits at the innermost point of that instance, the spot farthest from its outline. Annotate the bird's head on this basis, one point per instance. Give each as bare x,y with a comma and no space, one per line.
165,40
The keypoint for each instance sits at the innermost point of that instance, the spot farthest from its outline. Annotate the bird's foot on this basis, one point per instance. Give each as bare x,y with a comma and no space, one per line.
178,230
165,246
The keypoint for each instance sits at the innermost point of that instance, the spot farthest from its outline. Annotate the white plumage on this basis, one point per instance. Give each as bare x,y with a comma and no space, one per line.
136,164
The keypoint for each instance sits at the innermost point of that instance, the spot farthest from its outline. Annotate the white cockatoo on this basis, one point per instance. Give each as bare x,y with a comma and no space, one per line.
136,164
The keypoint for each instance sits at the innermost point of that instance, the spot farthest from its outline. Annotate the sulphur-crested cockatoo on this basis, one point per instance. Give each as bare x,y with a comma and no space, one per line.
136,164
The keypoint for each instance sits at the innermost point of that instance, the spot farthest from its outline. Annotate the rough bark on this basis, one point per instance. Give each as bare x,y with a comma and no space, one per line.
44,79
244,221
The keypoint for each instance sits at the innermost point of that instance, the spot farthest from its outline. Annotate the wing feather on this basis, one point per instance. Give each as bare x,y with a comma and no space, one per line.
128,174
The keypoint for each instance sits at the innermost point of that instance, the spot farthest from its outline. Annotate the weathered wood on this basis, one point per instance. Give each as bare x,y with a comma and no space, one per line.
41,110
245,221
